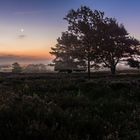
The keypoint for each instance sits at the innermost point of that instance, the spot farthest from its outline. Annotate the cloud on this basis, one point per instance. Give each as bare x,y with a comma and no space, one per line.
22,36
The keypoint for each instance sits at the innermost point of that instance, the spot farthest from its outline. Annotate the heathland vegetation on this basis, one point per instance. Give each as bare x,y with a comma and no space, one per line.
69,106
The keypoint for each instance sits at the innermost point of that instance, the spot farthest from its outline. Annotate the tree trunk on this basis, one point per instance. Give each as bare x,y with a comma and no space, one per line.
89,69
113,69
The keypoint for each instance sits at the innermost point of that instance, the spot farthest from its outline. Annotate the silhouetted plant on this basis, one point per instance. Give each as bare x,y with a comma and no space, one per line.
114,44
16,68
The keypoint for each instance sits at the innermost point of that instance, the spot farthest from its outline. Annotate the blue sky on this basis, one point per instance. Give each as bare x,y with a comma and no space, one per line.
28,28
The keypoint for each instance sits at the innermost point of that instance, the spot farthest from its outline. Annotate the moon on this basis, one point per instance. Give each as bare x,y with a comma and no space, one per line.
22,30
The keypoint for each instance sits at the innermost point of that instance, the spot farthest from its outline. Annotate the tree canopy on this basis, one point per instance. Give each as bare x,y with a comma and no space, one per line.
114,43
94,39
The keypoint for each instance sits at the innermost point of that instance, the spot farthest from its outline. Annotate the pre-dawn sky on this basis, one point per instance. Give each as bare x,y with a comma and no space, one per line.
28,28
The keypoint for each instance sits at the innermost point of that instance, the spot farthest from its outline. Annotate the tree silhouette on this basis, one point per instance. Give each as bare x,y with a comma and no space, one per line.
94,39
66,52
133,63
114,43
83,24
16,68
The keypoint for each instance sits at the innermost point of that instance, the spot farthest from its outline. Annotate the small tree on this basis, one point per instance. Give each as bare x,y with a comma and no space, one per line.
16,68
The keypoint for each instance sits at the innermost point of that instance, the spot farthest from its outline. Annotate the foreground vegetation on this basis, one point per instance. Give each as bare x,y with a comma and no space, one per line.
69,107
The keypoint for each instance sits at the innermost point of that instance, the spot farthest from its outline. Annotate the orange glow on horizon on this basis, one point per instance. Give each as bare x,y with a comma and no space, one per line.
33,54
36,49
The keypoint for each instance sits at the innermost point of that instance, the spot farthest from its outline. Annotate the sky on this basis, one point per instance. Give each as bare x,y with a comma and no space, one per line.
29,28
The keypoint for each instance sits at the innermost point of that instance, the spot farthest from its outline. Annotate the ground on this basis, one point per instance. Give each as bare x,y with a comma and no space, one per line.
58,106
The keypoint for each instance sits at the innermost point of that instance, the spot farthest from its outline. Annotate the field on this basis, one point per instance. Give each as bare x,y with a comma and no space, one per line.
60,106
